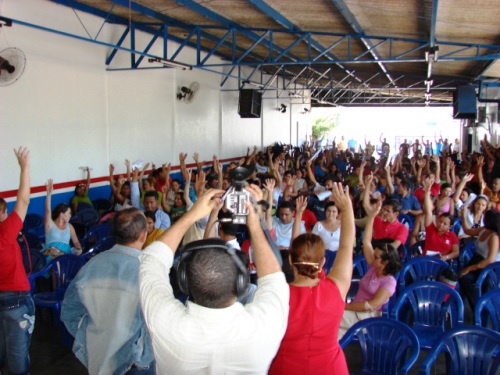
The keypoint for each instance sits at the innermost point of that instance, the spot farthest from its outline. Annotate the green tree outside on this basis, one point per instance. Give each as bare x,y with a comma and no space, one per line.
322,126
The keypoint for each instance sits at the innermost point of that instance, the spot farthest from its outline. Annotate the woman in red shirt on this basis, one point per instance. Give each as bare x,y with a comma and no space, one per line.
310,345
438,237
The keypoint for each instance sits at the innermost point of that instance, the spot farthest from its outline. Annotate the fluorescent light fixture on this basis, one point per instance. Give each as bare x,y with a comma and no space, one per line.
172,64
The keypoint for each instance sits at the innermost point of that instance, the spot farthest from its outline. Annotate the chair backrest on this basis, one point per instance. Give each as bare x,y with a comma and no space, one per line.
29,241
33,260
457,225
88,217
429,307
424,268
33,223
104,244
102,205
359,266
387,346
95,234
416,248
64,268
329,259
489,279
406,220
487,310
470,350
466,255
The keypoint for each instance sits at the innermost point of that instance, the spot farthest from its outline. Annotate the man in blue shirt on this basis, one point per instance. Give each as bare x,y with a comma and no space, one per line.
409,203
101,307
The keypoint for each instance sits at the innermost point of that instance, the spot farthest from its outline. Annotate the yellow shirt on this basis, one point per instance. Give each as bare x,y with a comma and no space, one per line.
153,236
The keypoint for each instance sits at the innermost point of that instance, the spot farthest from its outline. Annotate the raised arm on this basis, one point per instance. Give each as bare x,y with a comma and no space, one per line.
166,207
199,164
212,219
341,272
427,183
112,182
437,160
467,178
269,186
129,173
300,207
480,163
87,182
388,177
23,194
141,176
187,187
182,163
172,236
47,220
368,251
310,173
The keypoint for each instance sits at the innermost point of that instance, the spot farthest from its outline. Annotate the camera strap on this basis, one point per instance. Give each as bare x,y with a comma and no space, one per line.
276,252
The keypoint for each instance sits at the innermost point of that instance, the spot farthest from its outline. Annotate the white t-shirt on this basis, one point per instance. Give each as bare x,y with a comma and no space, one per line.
331,239
192,339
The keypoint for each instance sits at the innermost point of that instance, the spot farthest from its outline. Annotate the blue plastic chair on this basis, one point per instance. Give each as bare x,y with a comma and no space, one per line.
359,266
103,206
64,269
457,225
33,223
407,221
104,244
469,350
329,259
489,279
33,260
387,346
429,307
88,217
424,268
95,234
465,256
416,248
487,310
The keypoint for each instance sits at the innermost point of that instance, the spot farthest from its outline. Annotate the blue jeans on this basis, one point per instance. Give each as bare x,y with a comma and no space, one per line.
17,321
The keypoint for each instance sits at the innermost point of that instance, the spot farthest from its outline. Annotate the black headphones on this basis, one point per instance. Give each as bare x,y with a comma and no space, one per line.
242,278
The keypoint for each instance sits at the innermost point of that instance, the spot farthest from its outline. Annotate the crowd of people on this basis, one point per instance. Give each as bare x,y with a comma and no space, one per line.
175,237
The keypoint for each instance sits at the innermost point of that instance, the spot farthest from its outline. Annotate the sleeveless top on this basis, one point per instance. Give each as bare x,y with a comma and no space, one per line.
482,247
58,238
310,344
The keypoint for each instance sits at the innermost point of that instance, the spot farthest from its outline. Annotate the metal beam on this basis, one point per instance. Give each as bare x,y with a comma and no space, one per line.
358,29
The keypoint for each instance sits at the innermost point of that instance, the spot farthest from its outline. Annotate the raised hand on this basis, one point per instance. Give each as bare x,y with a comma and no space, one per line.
341,197
373,209
49,186
300,205
23,156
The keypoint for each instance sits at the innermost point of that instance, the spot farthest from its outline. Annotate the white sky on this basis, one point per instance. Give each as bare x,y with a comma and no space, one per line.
394,122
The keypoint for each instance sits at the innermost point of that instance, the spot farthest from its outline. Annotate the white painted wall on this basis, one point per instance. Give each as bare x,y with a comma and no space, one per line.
71,111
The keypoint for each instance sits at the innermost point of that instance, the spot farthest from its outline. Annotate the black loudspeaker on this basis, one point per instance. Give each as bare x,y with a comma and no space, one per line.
464,103
242,279
250,103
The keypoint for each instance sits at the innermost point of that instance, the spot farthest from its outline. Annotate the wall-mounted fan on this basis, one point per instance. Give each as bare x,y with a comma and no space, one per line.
12,64
187,94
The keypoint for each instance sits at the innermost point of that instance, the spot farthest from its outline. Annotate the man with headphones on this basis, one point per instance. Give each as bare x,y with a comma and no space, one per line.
212,333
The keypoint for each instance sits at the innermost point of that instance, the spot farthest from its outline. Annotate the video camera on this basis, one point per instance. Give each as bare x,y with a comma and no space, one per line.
236,196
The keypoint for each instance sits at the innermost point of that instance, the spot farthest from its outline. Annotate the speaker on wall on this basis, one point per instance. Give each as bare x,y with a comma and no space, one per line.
250,103
464,102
